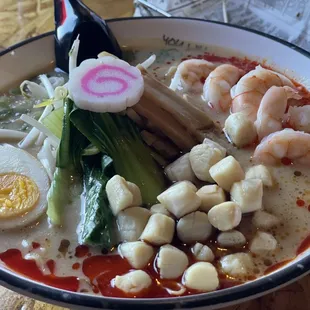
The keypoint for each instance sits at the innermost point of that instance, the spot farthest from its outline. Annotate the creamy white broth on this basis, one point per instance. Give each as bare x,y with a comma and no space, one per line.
280,200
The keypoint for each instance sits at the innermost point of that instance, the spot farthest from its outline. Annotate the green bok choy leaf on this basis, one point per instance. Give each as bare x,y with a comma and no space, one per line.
97,226
118,137
68,163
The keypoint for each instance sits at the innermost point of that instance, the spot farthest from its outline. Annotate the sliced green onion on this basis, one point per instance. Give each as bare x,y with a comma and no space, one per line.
53,122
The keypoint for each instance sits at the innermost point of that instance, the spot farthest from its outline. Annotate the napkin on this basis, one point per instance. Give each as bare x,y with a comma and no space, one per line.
285,19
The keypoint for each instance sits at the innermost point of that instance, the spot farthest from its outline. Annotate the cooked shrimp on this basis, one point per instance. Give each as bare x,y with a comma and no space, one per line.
191,75
284,144
272,109
250,89
299,118
216,89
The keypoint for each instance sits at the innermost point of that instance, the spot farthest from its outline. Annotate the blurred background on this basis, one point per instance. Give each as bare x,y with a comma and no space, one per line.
20,19
286,19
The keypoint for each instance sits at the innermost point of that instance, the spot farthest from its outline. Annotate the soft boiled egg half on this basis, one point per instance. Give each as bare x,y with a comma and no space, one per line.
23,188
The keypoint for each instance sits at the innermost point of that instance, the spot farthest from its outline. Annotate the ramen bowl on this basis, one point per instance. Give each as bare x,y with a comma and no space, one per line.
182,38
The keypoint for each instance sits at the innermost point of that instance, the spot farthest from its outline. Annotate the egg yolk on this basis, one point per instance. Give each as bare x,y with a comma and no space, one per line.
18,195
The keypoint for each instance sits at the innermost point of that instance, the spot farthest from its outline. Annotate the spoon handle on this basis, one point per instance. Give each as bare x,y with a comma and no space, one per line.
66,14
73,18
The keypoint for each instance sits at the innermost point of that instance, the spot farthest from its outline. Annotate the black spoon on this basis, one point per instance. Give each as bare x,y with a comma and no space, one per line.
73,18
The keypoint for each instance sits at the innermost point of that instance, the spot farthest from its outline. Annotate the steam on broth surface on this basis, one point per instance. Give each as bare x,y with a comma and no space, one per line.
53,254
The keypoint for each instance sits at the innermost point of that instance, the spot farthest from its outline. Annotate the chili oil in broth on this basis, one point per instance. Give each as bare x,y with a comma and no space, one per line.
61,262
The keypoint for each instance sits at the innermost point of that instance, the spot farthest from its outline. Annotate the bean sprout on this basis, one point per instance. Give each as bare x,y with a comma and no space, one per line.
57,81
34,133
73,54
8,134
47,84
47,158
40,139
31,121
32,89
60,93
178,292
148,62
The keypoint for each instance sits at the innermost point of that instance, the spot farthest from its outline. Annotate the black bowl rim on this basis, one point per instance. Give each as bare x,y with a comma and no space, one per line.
223,297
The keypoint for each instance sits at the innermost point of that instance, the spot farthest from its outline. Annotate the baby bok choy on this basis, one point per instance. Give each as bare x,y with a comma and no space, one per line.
68,163
118,137
97,224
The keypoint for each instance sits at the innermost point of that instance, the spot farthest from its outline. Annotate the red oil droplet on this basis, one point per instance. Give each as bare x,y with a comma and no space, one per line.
276,266
76,266
300,203
304,245
226,282
168,62
35,245
242,63
287,123
14,260
81,251
103,269
286,161
96,290
202,79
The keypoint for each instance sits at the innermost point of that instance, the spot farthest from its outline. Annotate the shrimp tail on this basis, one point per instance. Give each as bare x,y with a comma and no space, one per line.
292,93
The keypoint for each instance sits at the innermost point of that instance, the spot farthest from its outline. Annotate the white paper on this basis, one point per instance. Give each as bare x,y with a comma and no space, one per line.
285,19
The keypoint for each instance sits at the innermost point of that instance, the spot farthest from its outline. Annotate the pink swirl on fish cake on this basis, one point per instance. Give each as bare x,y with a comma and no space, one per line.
93,75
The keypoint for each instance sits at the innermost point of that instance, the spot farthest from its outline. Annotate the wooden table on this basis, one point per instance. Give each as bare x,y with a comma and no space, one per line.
20,19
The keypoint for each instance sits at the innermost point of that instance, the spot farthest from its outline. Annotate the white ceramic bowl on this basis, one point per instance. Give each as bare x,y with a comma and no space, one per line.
36,55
